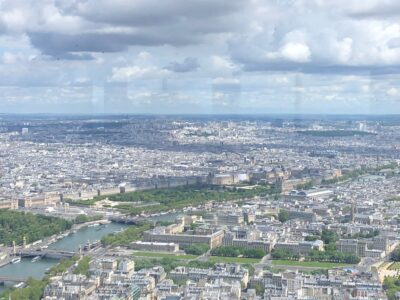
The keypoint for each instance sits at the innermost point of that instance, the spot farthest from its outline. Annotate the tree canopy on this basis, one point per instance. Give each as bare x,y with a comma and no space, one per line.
14,226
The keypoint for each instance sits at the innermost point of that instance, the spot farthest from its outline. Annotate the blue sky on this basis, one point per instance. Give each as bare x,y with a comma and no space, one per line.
219,56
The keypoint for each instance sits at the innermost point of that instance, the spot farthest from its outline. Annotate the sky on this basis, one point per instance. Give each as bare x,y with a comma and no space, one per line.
200,56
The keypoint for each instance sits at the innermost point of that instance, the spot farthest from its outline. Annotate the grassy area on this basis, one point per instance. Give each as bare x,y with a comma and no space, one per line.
311,264
177,197
395,266
384,265
163,255
237,260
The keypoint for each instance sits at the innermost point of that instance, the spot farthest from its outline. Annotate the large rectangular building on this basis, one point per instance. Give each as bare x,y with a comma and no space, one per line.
8,204
303,215
352,246
301,248
154,246
212,240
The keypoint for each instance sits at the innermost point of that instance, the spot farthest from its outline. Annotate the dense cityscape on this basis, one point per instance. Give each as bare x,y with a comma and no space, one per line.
200,150
200,207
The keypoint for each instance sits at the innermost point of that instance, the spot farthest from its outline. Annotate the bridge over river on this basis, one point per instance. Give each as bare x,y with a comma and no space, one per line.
12,279
47,253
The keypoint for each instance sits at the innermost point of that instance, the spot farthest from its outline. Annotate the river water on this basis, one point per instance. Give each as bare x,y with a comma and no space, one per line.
84,235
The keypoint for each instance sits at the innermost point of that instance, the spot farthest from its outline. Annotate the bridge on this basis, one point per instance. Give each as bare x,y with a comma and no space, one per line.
124,219
47,253
12,279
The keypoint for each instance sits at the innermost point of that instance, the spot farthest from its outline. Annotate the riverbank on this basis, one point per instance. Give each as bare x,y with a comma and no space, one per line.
71,242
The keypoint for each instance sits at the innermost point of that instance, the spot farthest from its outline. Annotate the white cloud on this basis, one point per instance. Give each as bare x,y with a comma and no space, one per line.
296,52
135,72
9,58
143,67
392,92
226,81
365,88
222,64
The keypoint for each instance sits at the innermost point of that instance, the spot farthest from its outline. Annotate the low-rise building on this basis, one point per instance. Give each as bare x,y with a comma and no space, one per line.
212,240
154,246
227,272
300,248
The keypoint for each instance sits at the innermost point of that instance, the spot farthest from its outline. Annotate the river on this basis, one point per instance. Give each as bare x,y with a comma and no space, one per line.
84,235
26,268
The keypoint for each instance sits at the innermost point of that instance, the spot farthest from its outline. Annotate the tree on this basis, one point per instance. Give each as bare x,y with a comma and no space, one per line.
311,238
228,251
254,253
284,254
392,286
283,216
15,225
33,291
259,288
132,233
304,186
84,218
395,256
83,266
329,236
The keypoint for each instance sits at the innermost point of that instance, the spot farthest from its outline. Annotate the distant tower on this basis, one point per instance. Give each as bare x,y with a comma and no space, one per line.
25,131
279,185
24,242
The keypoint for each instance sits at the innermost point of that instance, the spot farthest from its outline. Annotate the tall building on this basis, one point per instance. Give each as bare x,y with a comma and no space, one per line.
25,131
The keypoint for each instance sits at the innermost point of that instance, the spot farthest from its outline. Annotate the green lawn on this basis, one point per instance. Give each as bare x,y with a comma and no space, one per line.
237,260
163,255
394,266
312,264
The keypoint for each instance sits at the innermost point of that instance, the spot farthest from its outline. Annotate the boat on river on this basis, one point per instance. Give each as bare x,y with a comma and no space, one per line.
36,258
16,260
19,285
